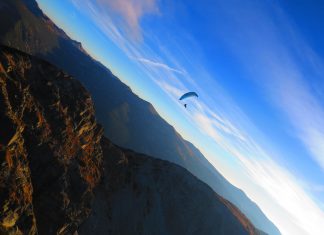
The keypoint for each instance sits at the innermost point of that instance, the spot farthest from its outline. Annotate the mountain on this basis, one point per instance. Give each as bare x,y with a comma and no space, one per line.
143,195
128,120
59,175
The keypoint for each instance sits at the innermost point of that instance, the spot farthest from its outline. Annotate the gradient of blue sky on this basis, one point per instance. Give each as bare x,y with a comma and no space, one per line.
258,67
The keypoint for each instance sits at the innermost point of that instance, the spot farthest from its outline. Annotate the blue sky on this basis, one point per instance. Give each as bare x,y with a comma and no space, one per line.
258,68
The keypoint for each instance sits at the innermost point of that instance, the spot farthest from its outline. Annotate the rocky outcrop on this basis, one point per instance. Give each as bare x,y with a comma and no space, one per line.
50,150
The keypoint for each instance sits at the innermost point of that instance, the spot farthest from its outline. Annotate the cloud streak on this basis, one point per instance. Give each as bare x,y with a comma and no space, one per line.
159,65
131,12
292,210
280,71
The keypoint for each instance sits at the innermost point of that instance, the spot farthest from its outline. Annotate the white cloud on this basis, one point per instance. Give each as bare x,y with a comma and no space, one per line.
277,192
278,66
159,65
282,78
131,12
172,91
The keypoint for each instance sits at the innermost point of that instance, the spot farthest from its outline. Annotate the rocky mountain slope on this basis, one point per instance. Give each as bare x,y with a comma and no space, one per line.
58,175
50,151
128,120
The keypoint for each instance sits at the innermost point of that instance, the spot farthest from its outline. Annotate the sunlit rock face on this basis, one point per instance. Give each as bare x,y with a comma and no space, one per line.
50,150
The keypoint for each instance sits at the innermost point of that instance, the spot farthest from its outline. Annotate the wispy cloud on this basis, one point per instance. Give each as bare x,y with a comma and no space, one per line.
173,91
280,71
277,191
158,65
130,11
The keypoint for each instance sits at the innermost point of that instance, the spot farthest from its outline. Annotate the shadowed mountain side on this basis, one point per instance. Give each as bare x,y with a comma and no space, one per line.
128,120
143,195
50,151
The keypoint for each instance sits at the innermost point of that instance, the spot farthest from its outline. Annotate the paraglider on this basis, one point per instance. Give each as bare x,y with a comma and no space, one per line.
187,95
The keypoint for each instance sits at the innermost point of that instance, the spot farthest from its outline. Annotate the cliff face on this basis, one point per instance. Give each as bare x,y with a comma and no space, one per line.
50,150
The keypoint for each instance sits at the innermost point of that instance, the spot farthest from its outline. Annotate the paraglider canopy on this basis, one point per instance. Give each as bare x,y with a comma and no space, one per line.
188,94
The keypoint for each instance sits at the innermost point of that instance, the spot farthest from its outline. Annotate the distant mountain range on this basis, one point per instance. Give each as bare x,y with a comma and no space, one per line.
128,120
